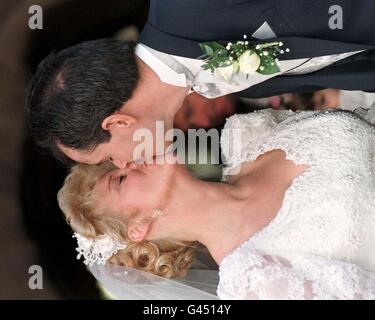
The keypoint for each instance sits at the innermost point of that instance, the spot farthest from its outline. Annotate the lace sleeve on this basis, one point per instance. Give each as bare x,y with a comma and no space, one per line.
258,276
366,114
241,130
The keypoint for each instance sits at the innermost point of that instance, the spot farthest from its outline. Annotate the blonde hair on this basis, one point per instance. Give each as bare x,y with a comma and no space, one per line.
88,217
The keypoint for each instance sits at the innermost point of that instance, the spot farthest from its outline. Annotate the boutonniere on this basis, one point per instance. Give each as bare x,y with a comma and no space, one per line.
241,57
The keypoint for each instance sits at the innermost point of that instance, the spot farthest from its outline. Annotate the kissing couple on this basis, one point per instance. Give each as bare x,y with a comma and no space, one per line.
293,218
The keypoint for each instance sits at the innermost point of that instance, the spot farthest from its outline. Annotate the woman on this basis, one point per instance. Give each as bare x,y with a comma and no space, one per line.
297,221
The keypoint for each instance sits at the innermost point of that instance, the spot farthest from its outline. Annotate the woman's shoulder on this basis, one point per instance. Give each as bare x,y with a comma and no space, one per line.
242,132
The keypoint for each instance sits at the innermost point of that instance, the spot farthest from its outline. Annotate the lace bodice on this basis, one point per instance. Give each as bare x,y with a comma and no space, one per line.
321,243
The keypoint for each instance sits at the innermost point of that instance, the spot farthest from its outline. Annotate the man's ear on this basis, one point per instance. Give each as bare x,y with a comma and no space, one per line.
118,120
138,233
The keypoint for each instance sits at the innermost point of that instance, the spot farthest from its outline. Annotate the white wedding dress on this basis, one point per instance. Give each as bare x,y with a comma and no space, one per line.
321,244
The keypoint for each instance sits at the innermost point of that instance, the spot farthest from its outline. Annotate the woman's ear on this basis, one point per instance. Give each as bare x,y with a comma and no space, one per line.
139,232
118,120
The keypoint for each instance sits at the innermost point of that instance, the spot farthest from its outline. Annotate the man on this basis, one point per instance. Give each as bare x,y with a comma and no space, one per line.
87,101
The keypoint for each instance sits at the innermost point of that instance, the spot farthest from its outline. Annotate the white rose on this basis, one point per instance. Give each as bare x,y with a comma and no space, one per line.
249,62
228,71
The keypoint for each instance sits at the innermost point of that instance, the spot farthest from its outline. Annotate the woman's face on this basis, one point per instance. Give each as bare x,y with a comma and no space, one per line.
141,189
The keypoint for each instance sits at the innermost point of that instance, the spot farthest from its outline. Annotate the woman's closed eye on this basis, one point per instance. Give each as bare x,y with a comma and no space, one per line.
121,179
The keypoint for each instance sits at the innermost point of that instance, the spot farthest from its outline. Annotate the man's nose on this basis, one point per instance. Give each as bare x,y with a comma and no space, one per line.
119,163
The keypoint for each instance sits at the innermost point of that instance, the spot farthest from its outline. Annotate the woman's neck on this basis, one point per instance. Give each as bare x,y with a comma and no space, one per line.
223,215
208,212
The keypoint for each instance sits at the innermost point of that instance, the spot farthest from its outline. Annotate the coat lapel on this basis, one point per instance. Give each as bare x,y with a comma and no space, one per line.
299,47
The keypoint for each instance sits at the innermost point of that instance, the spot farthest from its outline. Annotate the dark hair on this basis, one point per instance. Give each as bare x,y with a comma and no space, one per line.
74,90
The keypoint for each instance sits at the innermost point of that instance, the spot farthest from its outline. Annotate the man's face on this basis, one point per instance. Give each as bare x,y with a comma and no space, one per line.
119,154
121,148
135,123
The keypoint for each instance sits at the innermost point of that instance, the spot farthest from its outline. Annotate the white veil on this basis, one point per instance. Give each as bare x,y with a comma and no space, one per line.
131,284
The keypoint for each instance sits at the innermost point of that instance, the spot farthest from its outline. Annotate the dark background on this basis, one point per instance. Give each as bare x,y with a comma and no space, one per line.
32,229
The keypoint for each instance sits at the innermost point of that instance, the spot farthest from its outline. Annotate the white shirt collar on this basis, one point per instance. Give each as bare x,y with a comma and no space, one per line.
187,72
168,69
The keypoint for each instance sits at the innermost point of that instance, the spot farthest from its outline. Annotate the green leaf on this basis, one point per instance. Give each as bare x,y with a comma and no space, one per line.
202,57
222,53
208,66
207,50
269,65
210,48
215,45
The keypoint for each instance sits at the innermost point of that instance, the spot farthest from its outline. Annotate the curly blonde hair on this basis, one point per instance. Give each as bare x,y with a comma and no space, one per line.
88,217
